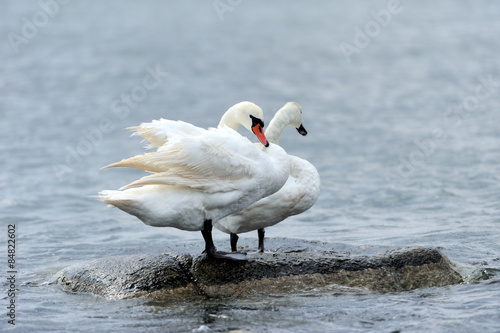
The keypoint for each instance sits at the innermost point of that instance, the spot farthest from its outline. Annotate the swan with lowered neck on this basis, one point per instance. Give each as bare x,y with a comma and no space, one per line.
298,194
200,176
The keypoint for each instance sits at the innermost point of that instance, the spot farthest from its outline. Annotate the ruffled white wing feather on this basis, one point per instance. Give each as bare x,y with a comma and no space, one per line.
158,132
214,159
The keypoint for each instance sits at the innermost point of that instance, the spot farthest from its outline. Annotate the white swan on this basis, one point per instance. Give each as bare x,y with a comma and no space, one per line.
298,194
199,175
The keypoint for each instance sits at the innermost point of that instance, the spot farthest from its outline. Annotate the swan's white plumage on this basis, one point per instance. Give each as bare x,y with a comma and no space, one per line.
214,156
298,194
198,174
157,132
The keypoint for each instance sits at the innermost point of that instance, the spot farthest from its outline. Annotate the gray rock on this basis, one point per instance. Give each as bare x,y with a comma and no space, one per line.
128,276
300,265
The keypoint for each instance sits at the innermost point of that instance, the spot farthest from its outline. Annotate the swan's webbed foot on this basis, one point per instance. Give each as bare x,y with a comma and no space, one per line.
235,256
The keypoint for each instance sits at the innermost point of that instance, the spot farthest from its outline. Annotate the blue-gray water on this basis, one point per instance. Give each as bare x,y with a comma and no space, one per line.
403,162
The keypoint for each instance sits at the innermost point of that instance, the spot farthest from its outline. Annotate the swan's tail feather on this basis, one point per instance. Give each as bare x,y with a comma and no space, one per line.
124,202
115,199
106,197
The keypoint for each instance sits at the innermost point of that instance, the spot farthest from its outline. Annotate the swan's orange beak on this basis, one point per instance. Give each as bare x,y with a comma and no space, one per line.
257,130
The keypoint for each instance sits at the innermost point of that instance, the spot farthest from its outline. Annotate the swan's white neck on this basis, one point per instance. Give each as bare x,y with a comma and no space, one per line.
230,119
239,114
277,125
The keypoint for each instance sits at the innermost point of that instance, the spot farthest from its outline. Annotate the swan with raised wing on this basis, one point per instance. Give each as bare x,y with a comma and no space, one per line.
199,176
298,194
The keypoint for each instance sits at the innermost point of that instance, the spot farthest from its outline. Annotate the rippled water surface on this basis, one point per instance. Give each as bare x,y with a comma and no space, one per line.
401,101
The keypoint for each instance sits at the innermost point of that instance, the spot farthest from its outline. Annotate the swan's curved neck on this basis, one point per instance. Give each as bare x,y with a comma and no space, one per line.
229,119
276,127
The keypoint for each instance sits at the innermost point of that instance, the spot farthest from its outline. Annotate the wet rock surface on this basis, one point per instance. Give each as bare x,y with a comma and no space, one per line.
295,266
124,276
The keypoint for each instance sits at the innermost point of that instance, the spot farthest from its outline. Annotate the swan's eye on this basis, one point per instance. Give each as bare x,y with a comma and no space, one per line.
257,121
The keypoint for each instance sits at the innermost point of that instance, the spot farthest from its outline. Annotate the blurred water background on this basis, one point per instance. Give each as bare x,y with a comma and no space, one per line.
401,101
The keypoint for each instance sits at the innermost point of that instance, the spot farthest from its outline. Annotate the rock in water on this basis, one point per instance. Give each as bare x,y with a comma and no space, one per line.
129,276
305,265
399,270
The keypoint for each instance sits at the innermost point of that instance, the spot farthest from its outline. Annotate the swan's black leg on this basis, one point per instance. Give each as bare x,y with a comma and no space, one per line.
234,242
207,235
261,233
210,246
